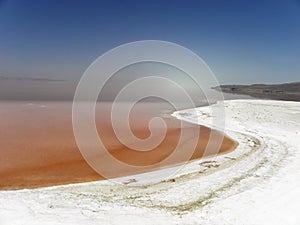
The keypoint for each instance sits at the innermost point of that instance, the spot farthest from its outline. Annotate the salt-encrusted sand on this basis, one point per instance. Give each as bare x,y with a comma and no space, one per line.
258,183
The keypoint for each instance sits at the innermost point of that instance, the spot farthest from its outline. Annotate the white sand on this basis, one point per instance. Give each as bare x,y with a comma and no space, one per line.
256,184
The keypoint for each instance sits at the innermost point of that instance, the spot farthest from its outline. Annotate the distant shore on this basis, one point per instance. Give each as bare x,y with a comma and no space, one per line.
287,92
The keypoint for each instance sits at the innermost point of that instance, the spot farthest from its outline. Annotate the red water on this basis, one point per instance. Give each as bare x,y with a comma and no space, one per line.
38,147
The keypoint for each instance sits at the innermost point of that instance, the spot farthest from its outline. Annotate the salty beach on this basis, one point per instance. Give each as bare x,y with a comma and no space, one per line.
149,112
38,147
258,183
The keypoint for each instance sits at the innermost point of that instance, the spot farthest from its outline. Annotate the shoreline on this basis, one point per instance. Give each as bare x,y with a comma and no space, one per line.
251,185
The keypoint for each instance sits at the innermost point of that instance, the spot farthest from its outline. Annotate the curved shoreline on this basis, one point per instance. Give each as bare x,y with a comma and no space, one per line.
255,184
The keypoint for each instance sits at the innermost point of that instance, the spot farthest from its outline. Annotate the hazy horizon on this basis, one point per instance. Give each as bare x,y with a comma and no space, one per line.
45,47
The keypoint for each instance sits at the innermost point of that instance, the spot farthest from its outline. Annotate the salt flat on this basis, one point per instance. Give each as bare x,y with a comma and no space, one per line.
258,183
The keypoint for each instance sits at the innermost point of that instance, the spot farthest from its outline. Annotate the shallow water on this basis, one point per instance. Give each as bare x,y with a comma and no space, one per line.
38,147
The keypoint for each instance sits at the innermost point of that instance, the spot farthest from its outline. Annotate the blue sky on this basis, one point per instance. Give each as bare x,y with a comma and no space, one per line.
242,41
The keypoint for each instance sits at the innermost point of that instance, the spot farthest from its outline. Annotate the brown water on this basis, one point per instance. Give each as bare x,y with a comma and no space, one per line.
38,147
